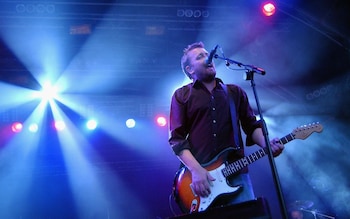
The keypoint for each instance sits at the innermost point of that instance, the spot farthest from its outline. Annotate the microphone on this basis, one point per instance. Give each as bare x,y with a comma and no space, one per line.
211,55
258,70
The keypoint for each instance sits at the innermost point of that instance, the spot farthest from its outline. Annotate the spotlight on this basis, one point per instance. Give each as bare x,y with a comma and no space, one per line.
197,13
91,124
17,127
130,123
40,8
33,127
48,92
205,13
268,9
59,125
161,121
30,8
20,8
50,9
188,13
180,12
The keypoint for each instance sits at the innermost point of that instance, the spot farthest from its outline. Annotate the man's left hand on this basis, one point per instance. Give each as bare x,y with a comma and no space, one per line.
276,147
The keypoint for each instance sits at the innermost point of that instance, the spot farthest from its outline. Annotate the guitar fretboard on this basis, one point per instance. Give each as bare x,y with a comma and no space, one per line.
287,138
239,164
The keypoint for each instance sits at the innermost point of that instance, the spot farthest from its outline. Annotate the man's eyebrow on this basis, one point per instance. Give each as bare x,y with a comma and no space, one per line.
201,54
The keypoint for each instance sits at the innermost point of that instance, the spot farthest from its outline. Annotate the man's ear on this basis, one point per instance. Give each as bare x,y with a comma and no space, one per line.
189,69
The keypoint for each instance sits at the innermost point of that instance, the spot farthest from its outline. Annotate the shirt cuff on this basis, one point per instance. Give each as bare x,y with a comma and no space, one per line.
249,139
177,148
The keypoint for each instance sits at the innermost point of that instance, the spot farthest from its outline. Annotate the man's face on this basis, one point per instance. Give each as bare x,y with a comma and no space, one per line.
198,67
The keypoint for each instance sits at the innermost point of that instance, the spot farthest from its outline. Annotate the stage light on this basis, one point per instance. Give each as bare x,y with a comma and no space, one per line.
192,13
33,127
161,121
268,9
59,125
91,124
48,91
17,127
130,123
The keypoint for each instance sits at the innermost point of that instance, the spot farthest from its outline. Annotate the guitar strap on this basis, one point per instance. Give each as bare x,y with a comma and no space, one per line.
229,96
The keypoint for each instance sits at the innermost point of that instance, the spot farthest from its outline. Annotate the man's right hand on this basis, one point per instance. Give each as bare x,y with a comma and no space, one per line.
201,181
201,178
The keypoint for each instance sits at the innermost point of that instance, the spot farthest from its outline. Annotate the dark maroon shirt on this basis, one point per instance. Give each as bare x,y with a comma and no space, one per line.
201,121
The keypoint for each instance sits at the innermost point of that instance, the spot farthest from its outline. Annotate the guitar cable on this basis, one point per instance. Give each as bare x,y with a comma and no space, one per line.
170,204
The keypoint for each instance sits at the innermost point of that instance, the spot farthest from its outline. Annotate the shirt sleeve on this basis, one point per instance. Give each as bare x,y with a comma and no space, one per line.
246,115
249,140
177,124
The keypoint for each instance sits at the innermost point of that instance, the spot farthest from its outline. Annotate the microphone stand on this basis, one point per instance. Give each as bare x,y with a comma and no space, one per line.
250,70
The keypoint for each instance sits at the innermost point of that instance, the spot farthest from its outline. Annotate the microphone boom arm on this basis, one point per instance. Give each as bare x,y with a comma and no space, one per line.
250,68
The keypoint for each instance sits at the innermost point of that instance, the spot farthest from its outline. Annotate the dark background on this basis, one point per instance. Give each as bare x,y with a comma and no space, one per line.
119,59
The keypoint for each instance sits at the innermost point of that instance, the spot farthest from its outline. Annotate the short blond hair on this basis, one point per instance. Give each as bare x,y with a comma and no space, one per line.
184,60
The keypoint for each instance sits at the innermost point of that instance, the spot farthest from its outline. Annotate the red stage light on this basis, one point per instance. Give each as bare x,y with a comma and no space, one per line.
161,121
268,9
17,127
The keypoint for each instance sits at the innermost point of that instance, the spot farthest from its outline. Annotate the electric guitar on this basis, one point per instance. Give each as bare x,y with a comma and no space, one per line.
220,169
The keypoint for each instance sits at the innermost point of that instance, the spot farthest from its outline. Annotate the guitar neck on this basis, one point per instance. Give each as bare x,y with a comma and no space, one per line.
239,164
287,138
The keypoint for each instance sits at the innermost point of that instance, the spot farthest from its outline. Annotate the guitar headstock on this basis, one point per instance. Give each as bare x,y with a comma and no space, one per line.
305,131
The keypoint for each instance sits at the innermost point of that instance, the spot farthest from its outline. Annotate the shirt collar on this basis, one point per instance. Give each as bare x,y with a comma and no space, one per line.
197,83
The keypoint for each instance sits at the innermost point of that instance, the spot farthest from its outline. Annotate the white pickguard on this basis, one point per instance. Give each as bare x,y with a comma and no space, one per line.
219,187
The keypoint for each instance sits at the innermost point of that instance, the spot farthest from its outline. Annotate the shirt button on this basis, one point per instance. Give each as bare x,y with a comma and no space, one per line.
214,135
214,109
214,121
